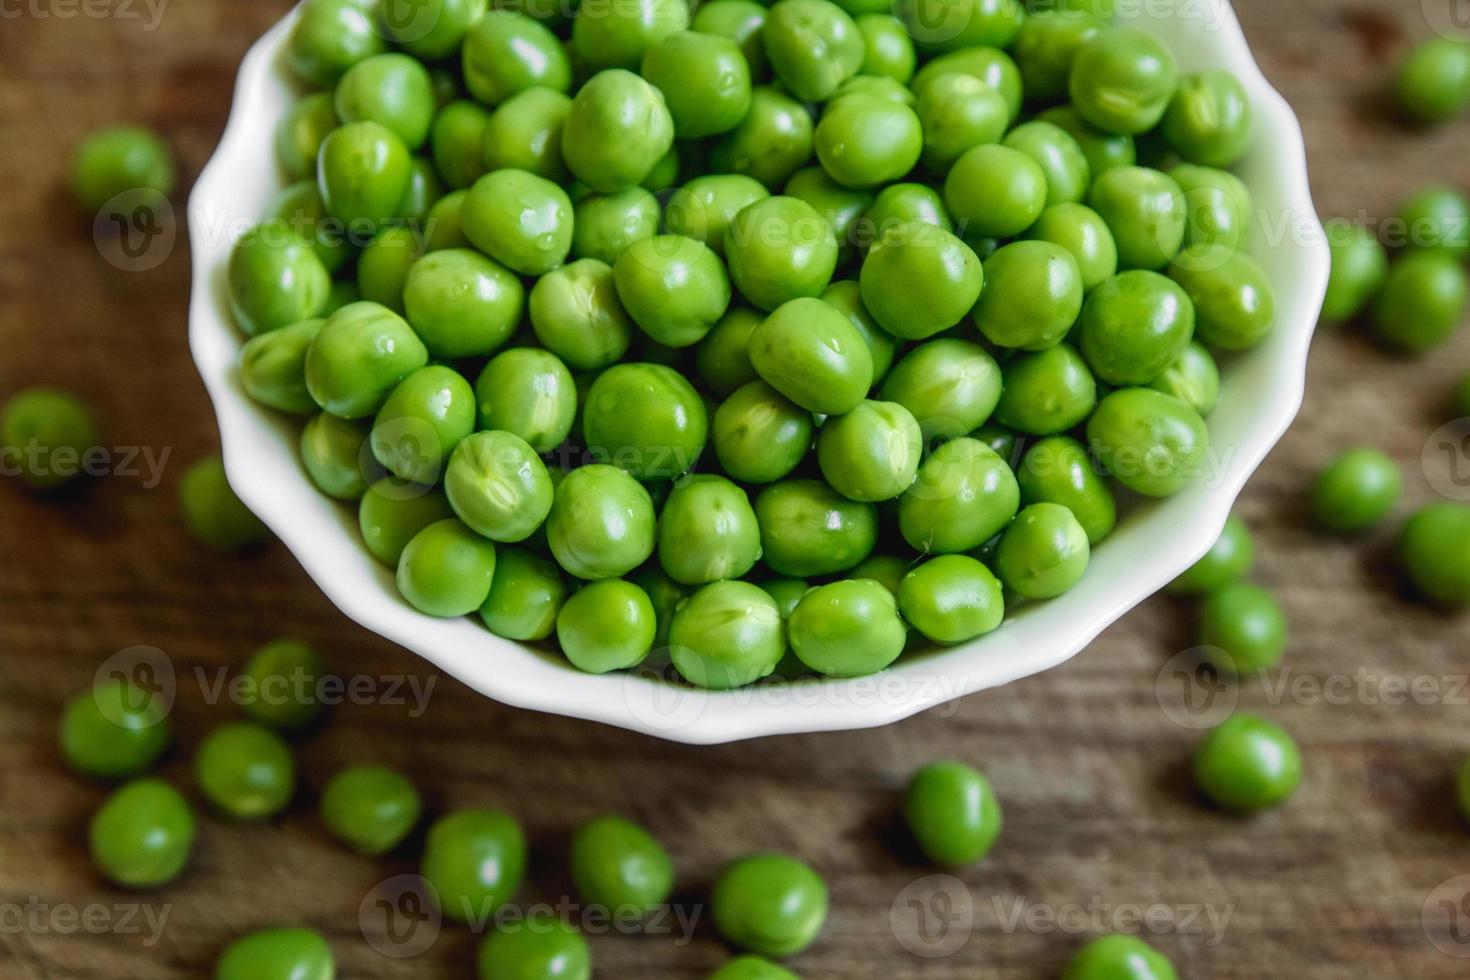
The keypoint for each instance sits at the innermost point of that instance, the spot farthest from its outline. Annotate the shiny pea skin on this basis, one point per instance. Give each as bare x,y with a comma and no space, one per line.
1422,302
673,287
606,625
897,205
707,531
866,140
524,133
1433,81
726,635
601,523
705,81
280,685
704,207
525,595
664,593
1356,491
577,315
301,954
872,452
1058,470
1033,295
1046,392
963,496
991,65
520,220
1068,175
1227,561
1208,121
363,171
1245,625
1133,327
329,37
771,143
445,570
618,865
1153,443
371,809
617,131
779,249
332,451
142,834
812,354
887,570
273,367
759,434
392,512
498,486
1234,303
1123,79
1104,150
391,89
769,904
507,52
1145,210
951,599
995,191
1119,957
540,947
647,419
1432,549
919,279
813,46
358,357
245,771
300,133
888,52
422,422
457,143
751,967
957,112
528,393
1193,378
846,297
429,29
1047,45
607,34
1247,764
473,860
740,21
113,729
275,279
1359,268
382,268
953,813
461,303
1043,553
849,628
605,224
808,529
950,386
1082,232
723,356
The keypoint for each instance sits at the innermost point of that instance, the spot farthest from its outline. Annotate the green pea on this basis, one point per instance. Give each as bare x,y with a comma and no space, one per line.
118,160
525,596
1033,295
813,46
991,65
462,304
212,512
771,143
1000,439
422,422
1043,553
245,771
704,207
520,220
390,89
951,599
601,523
950,386
1068,176
751,967
392,512
1247,764
811,353
1193,378
543,947
849,628
787,592
1359,270
1145,211
299,207
1212,219
1133,327
363,171
457,141
329,37
1083,233
430,29
113,730
300,132
1432,549
1119,957
1234,304
506,53
1356,491
576,314
47,437
1046,392
760,435
919,279
276,278
142,834
1153,443
1422,301
1246,623
740,21
723,356
606,224
606,625
726,635
780,249
872,452
608,34
957,112
769,904
1104,150
1208,121
619,866
382,269
808,529
887,570
1433,81
898,205
524,133
1227,561
887,50
846,298
704,79
964,495
707,531
297,954
618,129
371,809
498,486
863,141
358,357
1057,470
995,191
528,393
1046,47
664,593
474,860
673,287
281,680
937,25
1123,80
952,812
645,418
273,367
446,569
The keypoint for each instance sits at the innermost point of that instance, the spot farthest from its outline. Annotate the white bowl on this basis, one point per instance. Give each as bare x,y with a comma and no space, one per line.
1261,393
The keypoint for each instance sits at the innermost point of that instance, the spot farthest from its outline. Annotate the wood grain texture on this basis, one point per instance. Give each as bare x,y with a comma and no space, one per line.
1093,775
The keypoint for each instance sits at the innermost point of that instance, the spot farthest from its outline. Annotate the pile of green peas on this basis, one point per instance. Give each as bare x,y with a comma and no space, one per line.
589,307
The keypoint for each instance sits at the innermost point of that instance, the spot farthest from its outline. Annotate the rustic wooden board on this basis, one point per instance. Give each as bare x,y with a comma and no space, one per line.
1100,820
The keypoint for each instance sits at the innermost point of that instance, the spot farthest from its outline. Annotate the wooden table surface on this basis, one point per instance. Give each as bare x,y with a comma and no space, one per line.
1101,830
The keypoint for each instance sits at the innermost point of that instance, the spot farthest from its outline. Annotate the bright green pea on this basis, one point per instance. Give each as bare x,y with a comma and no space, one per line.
281,684
606,224
726,635
576,314
1033,295
1227,561
1043,553
849,628
898,205
1432,549
1122,80
771,143
1208,121
887,50
46,437
1083,233
1058,470
212,512
952,812
1133,327
617,33
474,860
779,249
673,287
1436,217
371,809
619,866
1068,176
498,486
446,569
813,46
277,954
391,89
950,386
457,143
991,65
364,171
1046,392
543,947
723,356
300,132
863,141
245,771
142,834
1103,150
707,531
752,967
704,79
392,512
526,594
645,418
462,304
1247,764
524,133
1433,81
951,599
507,52
787,592
958,112
954,25
1359,270
811,353
704,207
606,625
276,278
1193,378
601,523
1422,301
872,452
1145,210
522,221
995,191
760,435
1046,47
964,495
1119,957
919,280
808,529
422,422
769,904
846,297
430,29
329,37
383,266
1153,443
1356,491
618,129
113,730
273,367
1234,304
886,570
117,160
358,357
529,393
1246,623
